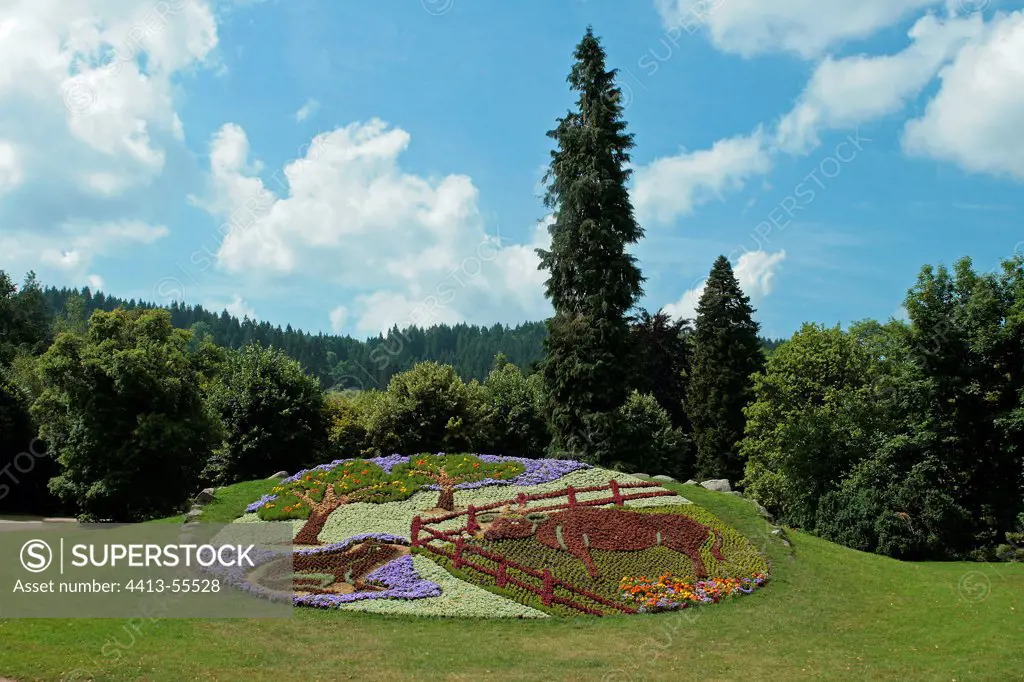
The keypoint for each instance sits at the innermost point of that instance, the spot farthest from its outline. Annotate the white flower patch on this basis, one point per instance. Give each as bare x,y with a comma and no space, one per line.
396,517
458,599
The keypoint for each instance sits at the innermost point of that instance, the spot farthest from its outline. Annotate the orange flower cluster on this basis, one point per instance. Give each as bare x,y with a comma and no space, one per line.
669,593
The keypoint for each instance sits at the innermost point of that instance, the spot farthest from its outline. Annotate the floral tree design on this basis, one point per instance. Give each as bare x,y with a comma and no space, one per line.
448,472
318,492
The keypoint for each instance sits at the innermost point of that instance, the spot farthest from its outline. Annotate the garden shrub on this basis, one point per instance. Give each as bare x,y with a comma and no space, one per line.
123,412
649,442
427,408
513,422
272,415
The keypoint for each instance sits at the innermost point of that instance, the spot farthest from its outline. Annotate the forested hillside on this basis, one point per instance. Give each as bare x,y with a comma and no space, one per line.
341,361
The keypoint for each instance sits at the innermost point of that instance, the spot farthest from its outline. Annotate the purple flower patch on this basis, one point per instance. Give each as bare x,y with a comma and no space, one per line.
398,576
536,471
386,538
260,502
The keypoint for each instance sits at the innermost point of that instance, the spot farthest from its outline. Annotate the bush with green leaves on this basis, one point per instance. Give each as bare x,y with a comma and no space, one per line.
650,443
26,464
428,408
345,415
805,428
122,410
272,414
513,422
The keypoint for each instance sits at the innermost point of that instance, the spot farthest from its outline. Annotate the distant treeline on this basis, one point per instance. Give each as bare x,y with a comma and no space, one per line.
342,362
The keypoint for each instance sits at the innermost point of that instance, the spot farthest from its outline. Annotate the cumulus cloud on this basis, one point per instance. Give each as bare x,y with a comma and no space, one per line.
672,186
76,245
974,119
240,308
755,271
338,317
75,88
10,167
411,250
843,93
806,28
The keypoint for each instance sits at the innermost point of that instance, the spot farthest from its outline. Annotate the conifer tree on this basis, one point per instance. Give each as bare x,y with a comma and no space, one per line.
593,282
726,352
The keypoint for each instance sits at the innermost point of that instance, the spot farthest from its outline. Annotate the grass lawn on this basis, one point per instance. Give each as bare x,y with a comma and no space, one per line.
828,613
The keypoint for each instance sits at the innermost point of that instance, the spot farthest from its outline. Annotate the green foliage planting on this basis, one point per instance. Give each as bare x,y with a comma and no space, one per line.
122,411
427,408
902,439
513,421
726,353
661,359
649,442
272,414
592,280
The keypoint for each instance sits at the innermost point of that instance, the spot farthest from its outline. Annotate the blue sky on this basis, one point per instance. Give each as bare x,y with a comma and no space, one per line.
348,166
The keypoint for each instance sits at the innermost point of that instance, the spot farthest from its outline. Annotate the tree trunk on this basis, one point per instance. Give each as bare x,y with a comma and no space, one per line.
310,532
446,500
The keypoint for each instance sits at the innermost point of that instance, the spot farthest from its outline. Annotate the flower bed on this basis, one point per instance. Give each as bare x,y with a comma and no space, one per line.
669,593
364,513
575,560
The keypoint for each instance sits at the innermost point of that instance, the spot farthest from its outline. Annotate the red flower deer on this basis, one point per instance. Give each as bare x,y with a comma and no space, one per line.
580,530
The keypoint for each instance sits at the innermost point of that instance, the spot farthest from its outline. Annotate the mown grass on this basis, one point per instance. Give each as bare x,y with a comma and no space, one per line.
828,613
229,503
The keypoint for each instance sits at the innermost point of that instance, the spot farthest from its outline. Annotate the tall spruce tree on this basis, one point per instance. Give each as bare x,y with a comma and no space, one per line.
726,352
593,281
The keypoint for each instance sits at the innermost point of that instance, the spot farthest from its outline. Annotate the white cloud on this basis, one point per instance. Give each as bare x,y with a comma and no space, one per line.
674,185
239,308
76,92
10,167
339,316
71,252
974,120
804,27
95,282
411,250
306,110
843,93
755,272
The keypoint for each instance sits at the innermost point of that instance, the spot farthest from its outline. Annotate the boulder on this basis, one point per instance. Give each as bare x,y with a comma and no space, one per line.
691,482
193,515
645,477
720,485
765,514
279,474
205,496
661,478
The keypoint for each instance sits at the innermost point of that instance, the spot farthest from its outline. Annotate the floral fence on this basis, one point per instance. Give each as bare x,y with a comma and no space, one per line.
548,583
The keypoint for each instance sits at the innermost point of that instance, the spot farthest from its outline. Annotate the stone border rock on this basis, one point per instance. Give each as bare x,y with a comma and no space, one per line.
204,497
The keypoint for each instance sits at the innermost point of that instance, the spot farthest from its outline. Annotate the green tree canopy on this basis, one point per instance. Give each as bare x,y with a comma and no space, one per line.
593,281
122,410
427,408
726,352
272,415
